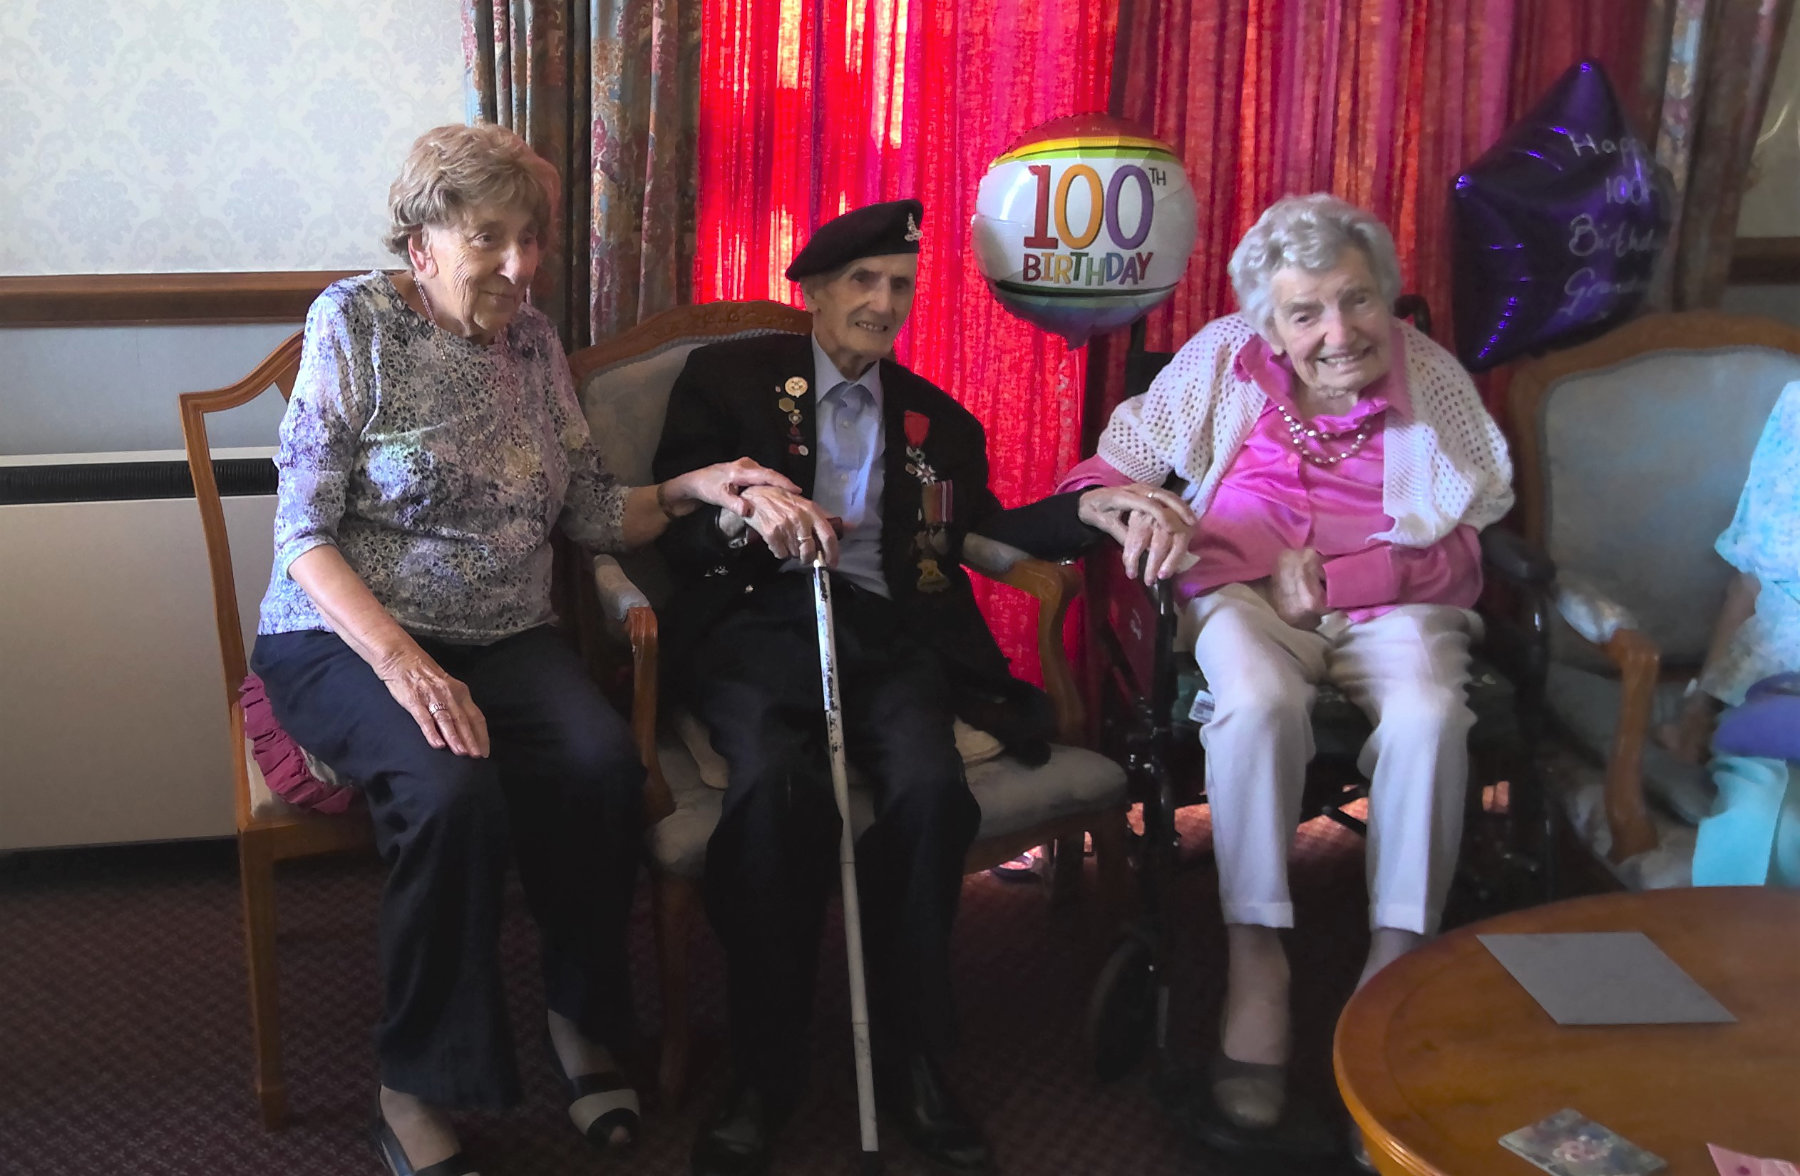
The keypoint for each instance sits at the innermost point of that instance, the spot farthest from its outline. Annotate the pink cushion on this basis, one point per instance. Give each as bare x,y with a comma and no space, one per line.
283,762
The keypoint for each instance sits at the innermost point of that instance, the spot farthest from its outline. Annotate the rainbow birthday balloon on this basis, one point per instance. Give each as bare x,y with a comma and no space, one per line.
1084,224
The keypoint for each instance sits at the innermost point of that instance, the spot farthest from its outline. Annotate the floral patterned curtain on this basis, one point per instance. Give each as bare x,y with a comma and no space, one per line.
1718,68
607,91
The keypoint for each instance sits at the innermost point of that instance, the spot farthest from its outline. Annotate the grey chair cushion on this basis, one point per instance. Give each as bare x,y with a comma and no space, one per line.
1012,796
1586,707
1643,465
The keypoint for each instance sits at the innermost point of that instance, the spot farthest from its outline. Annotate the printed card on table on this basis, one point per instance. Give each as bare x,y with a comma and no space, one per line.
1731,1163
1569,1143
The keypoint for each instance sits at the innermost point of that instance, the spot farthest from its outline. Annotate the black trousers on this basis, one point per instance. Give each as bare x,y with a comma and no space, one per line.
772,861
562,792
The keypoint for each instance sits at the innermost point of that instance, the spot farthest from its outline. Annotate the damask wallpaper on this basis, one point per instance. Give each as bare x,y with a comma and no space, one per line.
188,135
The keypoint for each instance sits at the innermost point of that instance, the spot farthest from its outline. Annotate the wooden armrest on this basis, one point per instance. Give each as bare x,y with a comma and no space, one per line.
1639,663
640,626
1055,587
614,591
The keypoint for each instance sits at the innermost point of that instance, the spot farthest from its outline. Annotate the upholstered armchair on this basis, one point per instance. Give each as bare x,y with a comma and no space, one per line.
1631,451
624,386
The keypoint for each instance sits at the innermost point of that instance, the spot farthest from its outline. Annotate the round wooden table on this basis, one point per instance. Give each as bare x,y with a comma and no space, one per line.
1443,1052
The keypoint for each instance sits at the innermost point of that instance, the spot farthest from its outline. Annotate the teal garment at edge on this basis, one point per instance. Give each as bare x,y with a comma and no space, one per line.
1752,837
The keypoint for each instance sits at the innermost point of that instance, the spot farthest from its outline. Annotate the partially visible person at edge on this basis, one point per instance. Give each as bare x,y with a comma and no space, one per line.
1340,465
1752,836
903,468
432,443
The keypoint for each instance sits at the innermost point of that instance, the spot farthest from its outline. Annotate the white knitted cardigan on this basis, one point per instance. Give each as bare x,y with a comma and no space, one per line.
1446,465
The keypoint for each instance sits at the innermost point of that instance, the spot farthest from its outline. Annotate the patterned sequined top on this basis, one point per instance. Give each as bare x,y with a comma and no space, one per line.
437,466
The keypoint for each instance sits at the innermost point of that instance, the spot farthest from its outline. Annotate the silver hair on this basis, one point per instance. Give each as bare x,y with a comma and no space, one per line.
1310,232
455,168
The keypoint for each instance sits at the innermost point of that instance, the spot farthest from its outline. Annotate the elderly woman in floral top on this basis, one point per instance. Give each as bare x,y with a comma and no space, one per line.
1340,464
432,443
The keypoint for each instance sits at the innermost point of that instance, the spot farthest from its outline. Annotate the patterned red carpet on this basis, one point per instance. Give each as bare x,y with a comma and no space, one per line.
124,1040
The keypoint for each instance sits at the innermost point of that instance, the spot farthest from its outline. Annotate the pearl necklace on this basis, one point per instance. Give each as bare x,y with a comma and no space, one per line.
1299,433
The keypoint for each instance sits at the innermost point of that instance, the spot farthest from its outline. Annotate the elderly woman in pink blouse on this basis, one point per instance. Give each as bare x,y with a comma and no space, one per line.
1340,465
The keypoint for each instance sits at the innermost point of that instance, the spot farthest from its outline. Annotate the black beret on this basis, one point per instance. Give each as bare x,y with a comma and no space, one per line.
872,231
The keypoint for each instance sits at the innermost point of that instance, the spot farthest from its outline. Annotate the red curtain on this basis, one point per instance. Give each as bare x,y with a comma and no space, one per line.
1379,101
812,107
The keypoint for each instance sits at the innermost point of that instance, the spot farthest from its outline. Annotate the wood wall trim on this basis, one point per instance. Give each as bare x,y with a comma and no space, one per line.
86,300
700,322
1765,261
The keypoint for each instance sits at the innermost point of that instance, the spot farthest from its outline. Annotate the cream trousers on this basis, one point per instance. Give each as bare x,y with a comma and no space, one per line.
1406,670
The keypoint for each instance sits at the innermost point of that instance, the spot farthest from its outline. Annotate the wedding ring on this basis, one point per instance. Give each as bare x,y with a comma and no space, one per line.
434,708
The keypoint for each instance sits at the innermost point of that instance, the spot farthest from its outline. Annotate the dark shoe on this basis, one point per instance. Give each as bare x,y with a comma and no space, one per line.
1250,1095
736,1140
394,1156
932,1120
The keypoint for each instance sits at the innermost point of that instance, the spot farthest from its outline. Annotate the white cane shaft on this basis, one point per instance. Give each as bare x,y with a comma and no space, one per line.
859,998
840,787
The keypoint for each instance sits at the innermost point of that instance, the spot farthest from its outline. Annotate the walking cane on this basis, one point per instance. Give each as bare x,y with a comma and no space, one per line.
840,787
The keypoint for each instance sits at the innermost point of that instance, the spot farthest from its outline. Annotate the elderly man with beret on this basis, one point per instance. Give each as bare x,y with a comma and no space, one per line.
892,475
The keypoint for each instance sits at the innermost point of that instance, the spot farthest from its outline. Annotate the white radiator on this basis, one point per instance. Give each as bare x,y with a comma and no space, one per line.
112,700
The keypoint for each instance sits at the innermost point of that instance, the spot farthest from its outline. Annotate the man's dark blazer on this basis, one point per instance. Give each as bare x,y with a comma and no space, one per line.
724,406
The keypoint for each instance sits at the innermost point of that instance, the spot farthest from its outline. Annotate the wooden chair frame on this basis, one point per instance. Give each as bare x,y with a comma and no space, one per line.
677,901
1634,655
262,840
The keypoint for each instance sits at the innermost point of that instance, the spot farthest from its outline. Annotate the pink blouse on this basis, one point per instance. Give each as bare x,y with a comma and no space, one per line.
1272,500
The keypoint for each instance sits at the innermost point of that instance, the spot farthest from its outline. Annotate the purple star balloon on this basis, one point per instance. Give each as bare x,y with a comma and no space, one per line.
1558,226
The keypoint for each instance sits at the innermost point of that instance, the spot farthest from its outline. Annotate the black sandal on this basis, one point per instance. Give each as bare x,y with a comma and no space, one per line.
394,1156
599,1104
602,1103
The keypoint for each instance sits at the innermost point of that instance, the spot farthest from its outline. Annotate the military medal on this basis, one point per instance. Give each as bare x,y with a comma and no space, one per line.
918,427
786,397
935,498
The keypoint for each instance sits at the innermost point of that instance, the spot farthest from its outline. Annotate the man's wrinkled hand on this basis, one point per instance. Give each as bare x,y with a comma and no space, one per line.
793,526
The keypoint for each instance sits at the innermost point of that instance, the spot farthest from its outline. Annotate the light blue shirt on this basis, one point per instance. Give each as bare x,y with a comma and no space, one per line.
1764,541
848,478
